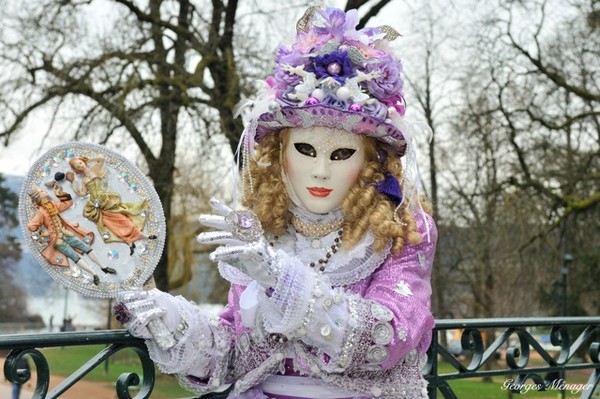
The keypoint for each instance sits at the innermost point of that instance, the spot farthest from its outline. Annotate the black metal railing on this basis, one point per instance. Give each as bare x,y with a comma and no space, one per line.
485,348
506,347
116,340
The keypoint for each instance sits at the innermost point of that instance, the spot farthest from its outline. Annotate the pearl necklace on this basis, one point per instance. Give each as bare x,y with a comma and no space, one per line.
308,229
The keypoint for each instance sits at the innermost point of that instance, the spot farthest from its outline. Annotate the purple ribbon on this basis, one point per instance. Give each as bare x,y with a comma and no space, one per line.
391,188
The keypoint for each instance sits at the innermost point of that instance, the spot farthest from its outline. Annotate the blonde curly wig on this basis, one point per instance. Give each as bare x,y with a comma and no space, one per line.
363,208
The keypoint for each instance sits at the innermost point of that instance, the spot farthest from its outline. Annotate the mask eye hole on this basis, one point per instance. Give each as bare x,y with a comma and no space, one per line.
306,149
342,154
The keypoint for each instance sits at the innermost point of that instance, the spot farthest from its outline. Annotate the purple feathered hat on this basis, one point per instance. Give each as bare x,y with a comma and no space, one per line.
333,76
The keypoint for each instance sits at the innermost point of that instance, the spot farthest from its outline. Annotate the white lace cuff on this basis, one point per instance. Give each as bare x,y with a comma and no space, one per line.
302,305
194,343
284,309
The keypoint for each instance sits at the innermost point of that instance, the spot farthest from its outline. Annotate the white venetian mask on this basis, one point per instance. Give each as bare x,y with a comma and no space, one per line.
321,165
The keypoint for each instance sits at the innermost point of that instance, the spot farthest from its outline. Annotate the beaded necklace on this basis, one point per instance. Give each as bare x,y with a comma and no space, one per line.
322,261
308,229
330,251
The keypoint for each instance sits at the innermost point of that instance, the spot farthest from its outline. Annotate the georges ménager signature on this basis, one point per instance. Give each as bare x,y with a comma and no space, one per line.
556,385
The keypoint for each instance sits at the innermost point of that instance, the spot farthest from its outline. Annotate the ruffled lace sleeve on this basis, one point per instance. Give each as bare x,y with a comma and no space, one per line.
371,324
201,359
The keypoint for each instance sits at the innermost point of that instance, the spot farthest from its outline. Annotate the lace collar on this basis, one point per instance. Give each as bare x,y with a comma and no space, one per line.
346,267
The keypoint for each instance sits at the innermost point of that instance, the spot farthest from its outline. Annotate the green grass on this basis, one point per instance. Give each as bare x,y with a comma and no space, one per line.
64,361
476,388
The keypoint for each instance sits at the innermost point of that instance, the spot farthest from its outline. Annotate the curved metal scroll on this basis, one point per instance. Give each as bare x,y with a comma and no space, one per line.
125,381
24,346
518,352
20,376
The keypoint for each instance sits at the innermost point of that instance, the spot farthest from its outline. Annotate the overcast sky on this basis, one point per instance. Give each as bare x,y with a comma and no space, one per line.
28,144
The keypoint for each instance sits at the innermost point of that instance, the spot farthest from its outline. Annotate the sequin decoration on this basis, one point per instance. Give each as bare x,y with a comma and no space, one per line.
403,289
327,304
376,354
326,331
370,367
144,249
422,260
382,333
243,342
105,235
112,254
402,335
380,312
411,357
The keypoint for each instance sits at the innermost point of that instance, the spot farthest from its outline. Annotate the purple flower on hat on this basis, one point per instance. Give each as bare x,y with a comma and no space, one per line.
375,108
397,102
389,83
336,64
338,22
332,101
307,42
284,79
284,96
286,55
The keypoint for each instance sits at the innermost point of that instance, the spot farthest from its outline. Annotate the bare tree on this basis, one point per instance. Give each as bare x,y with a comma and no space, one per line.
430,79
533,90
148,73
156,69
556,94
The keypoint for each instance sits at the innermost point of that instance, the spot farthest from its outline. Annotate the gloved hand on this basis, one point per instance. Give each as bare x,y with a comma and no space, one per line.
179,337
243,244
149,314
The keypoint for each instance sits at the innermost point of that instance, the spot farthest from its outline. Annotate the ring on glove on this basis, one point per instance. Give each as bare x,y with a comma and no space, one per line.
121,313
244,225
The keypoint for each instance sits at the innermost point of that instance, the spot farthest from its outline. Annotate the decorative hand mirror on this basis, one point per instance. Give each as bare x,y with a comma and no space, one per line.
92,219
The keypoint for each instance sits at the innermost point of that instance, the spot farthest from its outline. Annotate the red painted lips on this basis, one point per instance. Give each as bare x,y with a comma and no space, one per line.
320,192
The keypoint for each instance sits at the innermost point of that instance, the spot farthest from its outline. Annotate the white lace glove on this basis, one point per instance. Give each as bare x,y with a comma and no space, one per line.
243,244
150,315
179,337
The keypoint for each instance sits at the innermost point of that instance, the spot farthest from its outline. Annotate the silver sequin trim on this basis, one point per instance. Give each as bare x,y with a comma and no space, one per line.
402,335
383,333
244,342
411,357
377,354
380,312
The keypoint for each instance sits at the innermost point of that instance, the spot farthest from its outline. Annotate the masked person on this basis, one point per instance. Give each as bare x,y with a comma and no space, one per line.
330,261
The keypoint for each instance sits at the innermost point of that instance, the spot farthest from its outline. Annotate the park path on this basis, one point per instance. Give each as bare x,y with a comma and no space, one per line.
82,390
